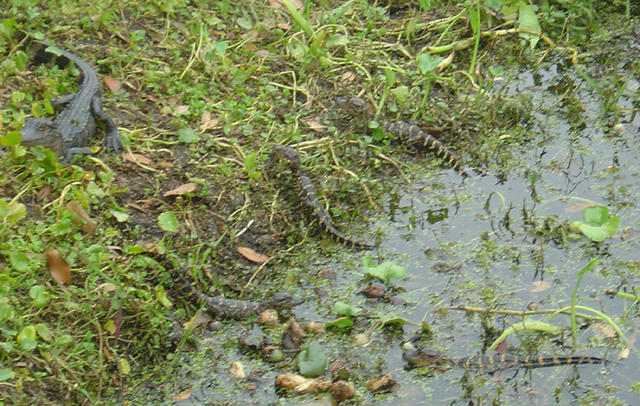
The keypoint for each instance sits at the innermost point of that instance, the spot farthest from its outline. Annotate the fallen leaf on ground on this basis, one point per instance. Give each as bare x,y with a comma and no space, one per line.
252,255
182,189
184,395
59,268
76,208
133,158
112,84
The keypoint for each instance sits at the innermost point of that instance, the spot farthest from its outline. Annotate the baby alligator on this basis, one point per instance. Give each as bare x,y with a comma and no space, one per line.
308,194
220,306
70,131
425,357
410,134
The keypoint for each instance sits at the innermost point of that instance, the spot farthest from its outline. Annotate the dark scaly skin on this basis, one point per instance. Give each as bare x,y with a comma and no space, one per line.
220,306
69,133
309,197
426,357
410,134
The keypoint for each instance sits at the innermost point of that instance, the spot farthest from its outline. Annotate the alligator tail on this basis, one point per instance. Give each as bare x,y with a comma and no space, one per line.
309,196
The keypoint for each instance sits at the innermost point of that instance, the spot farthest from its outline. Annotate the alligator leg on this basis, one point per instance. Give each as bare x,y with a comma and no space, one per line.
62,100
112,140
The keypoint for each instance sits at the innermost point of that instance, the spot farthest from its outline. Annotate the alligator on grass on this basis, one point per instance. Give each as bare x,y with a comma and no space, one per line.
69,132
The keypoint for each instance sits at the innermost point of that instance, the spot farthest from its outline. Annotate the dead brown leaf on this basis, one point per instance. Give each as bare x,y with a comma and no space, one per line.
112,84
578,207
252,255
237,370
59,268
316,125
208,121
539,286
133,158
76,208
180,109
44,192
284,26
184,395
182,189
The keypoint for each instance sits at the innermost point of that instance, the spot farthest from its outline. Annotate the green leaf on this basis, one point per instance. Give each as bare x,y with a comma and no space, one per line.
341,323
401,93
250,162
220,47
27,338
473,18
386,271
6,312
12,212
44,332
311,361
168,222
529,21
600,233
427,63
393,320
6,374
37,293
187,135
11,139
19,261
345,309
595,215
95,190
63,340
120,216
123,366
161,296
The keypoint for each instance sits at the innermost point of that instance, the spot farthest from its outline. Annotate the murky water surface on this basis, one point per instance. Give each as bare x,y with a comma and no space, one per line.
484,242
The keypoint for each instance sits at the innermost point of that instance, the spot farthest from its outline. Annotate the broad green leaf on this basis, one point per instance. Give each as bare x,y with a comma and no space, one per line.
12,211
341,323
427,63
120,216
187,135
386,271
393,320
529,21
161,295
250,162
44,332
526,324
595,215
6,311
27,338
311,361
6,374
168,222
401,93
63,340
19,261
11,139
345,309
37,293
600,233
123,366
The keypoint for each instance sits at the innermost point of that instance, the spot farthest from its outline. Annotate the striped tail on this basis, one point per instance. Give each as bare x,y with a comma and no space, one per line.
503,361
310,198
414,136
